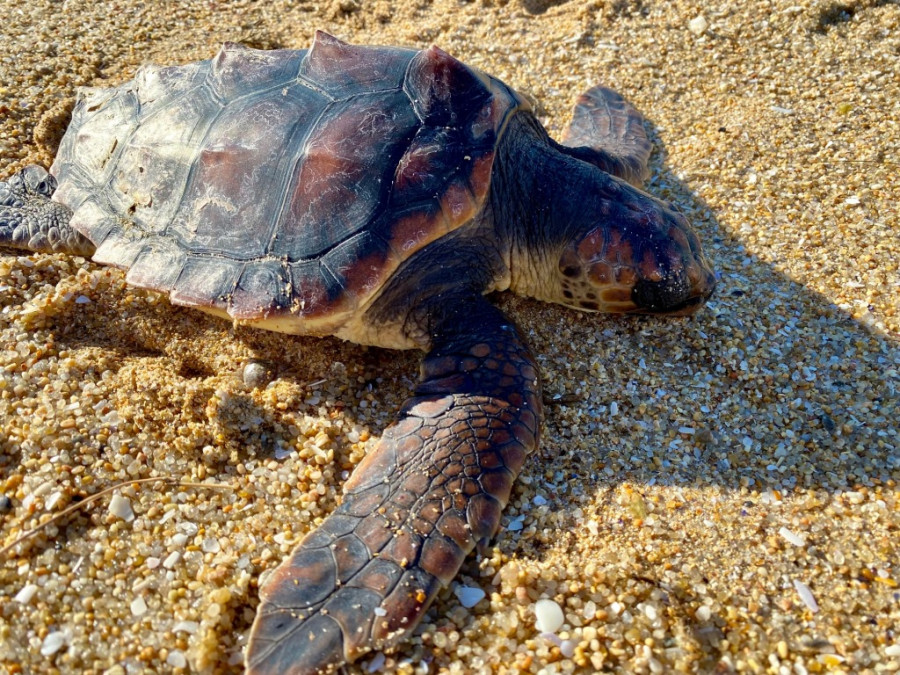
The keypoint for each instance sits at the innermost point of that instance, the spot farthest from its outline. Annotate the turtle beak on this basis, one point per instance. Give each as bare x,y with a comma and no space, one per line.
675,294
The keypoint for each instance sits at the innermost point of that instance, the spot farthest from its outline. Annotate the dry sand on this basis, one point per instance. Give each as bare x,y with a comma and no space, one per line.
712,495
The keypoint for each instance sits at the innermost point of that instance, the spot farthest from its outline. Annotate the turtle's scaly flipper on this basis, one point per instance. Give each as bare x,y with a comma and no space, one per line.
433,488
30,220
608,132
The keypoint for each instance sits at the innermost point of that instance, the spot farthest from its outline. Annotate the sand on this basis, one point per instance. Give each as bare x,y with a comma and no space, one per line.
716,494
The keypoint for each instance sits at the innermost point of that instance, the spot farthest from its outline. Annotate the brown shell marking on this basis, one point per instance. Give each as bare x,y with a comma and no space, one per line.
344,173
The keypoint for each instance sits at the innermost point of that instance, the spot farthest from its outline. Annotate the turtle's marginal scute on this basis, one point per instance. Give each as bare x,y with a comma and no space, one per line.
206,281
156,267
262,289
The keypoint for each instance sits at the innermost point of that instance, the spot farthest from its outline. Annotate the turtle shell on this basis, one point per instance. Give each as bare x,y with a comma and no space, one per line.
281,188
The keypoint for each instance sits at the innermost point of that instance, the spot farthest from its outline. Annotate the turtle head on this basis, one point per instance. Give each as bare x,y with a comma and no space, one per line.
633,254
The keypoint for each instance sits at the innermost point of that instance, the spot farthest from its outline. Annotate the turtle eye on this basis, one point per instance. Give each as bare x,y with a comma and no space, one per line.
570,265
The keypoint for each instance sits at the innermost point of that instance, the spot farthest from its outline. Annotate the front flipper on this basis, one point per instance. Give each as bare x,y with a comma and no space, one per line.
432,489
29,219
608,132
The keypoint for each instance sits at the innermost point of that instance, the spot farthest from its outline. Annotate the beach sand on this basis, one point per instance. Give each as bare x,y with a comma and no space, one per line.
716,494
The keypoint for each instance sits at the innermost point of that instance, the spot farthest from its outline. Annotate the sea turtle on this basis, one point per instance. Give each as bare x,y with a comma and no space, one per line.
376,194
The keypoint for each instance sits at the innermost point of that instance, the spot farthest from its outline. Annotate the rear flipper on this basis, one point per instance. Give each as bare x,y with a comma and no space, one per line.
30,220
608,132
432,489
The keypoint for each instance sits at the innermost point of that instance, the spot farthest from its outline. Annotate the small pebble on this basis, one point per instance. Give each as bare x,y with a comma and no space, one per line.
469,596
257,374
176,659
548,616
567,648
171,560
794,539
698,25
210,545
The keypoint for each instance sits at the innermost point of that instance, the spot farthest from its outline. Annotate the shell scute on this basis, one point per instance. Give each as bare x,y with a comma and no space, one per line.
422,169
117,250
264,288
344,173
236,177
237,70
443,90
206,281
102,122
157,267
358,264
414,228
343,70
156,162
162,83
312,287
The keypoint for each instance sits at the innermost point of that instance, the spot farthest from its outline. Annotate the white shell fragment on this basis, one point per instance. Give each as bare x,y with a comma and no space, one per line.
53,643
549,616
186,627
791,537
176,659
698,25
24,596
138,606
120,507
806,596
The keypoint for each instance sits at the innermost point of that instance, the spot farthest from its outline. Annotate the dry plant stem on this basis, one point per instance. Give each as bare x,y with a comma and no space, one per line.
94,497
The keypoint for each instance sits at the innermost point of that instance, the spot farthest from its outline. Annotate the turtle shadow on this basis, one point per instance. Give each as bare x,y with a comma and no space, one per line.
722,349
772,408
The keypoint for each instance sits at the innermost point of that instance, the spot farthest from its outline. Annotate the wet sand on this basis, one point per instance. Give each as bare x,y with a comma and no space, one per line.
717,494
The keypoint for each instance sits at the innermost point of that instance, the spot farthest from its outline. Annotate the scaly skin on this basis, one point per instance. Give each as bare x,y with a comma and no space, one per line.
432,489
29,220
